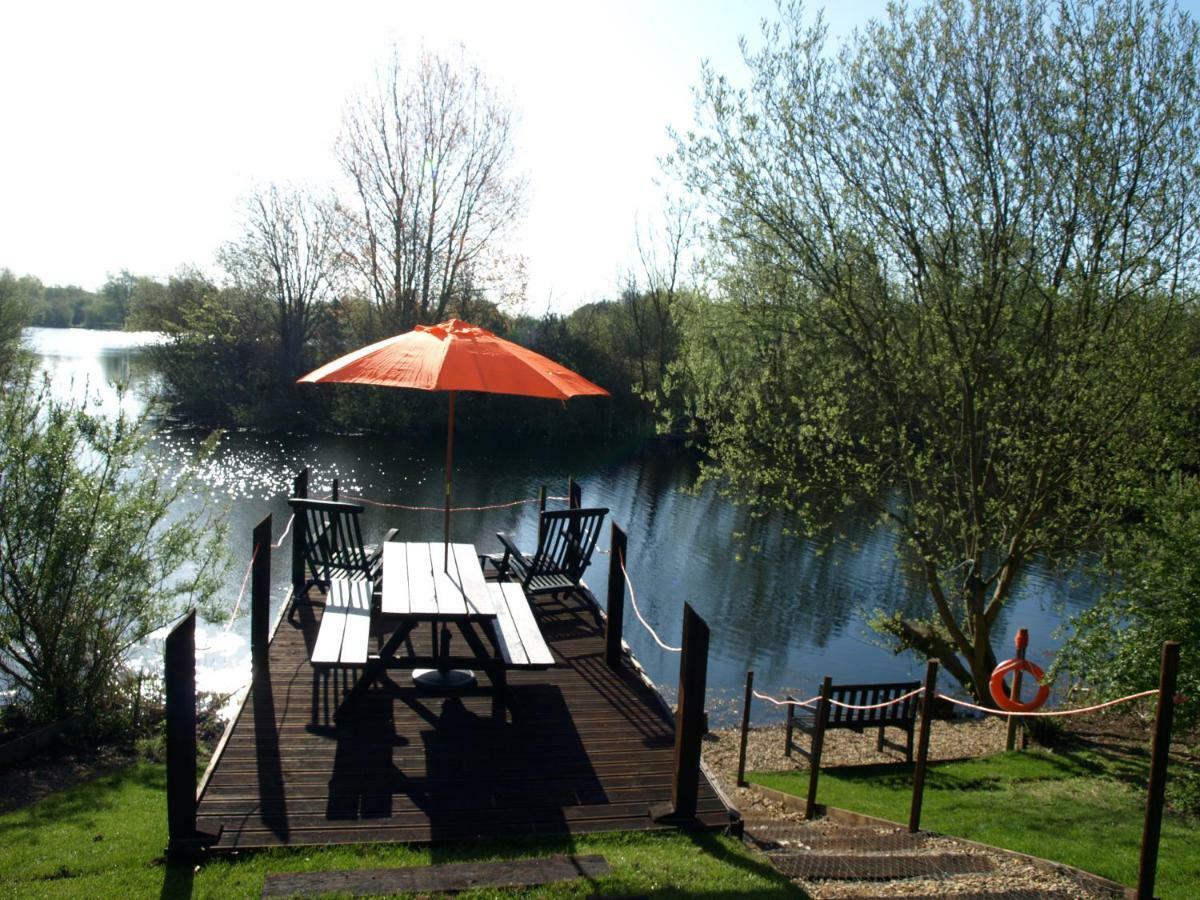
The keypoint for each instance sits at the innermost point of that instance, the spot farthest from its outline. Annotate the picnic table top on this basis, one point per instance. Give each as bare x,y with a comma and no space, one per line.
416,583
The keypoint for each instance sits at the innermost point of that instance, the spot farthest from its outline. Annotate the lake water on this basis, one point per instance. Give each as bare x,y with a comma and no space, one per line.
792,610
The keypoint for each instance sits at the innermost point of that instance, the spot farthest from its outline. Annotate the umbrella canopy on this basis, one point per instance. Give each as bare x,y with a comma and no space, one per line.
455,356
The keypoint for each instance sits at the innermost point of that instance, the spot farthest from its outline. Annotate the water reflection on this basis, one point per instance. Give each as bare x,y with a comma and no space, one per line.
789,608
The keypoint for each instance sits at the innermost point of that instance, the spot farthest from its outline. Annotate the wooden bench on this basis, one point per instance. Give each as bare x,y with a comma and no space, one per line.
345,630
520,639
901,715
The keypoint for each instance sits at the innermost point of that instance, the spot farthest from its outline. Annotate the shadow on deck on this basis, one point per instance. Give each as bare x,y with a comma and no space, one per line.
578,748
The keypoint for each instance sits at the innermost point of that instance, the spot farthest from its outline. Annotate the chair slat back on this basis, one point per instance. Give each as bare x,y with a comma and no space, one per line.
567,540
332,537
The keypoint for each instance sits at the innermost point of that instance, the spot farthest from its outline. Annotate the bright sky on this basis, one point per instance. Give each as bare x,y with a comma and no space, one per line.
132,131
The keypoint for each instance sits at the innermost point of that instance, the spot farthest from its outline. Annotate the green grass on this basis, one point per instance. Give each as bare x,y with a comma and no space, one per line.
105,839
1081,809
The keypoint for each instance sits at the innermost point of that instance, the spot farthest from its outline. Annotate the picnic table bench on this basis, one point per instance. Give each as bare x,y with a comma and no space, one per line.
417,589
901,715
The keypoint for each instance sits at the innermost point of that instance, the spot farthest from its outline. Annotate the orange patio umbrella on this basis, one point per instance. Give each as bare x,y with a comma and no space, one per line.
455,356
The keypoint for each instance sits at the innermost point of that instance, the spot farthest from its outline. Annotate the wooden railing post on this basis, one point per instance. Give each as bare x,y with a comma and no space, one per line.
789,724
574,494
745,736
336,490
1156,792
818,744
689,720
260,593
615,626
179,676
927,698
299,526
1014,722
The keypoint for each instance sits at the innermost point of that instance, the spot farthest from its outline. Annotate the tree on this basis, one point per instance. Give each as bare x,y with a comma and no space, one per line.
429,154
112,306
90,560
287,253
17,296
953,258
1115,646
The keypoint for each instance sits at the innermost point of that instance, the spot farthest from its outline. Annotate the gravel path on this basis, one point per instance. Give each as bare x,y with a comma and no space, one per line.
958,739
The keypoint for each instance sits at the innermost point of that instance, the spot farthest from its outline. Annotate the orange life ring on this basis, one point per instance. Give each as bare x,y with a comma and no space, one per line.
1000,692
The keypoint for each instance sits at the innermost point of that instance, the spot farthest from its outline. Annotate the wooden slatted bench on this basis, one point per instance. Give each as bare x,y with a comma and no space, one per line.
345,630
521,642
901,715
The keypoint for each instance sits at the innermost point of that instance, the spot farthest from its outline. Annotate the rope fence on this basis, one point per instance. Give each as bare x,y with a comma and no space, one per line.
250,568
637,612
1049,713
811,702
454,509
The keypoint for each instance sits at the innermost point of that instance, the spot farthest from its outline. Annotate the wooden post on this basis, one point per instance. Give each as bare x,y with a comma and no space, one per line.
789,723
914,813
741,772
336,491
818,744
615,626
179,676
689,720
299,526
541,509
1014,722
1155,793
260,593
574,494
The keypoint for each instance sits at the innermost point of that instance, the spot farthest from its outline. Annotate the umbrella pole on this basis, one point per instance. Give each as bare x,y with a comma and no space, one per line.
449,458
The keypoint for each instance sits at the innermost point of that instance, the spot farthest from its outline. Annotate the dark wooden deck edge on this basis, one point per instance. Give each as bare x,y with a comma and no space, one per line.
219,749
735,814
852,818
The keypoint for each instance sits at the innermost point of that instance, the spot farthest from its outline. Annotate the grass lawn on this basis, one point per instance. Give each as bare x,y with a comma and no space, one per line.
1078,808
105,839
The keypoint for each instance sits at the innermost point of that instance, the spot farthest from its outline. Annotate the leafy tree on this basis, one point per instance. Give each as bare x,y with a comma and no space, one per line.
16,308
221,364
112,304
154,306
952,258
1116,646
90,561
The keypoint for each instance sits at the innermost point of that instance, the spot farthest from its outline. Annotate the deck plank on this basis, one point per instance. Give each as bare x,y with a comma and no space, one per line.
579,748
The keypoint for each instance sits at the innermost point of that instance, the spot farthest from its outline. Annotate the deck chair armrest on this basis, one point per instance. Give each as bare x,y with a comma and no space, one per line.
512,554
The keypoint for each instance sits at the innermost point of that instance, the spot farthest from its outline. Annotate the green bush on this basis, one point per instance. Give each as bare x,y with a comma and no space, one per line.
1116,646
91,561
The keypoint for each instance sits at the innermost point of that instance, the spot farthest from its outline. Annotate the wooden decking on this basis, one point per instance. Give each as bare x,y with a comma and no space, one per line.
580,748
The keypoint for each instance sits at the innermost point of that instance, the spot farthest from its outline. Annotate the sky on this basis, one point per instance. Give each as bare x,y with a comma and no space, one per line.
132,133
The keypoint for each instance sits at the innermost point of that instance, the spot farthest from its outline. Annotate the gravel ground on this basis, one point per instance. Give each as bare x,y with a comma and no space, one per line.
957,739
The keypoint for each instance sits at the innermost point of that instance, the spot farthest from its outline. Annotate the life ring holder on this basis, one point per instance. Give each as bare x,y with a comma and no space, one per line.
1000,693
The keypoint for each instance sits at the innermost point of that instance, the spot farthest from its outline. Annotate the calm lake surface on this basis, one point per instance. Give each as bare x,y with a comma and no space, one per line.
792,610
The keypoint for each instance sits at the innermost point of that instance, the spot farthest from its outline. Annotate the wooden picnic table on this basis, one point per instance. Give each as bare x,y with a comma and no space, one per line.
493,619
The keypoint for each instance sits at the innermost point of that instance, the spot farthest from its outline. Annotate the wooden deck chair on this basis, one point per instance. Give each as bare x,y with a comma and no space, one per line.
332,542
566,540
